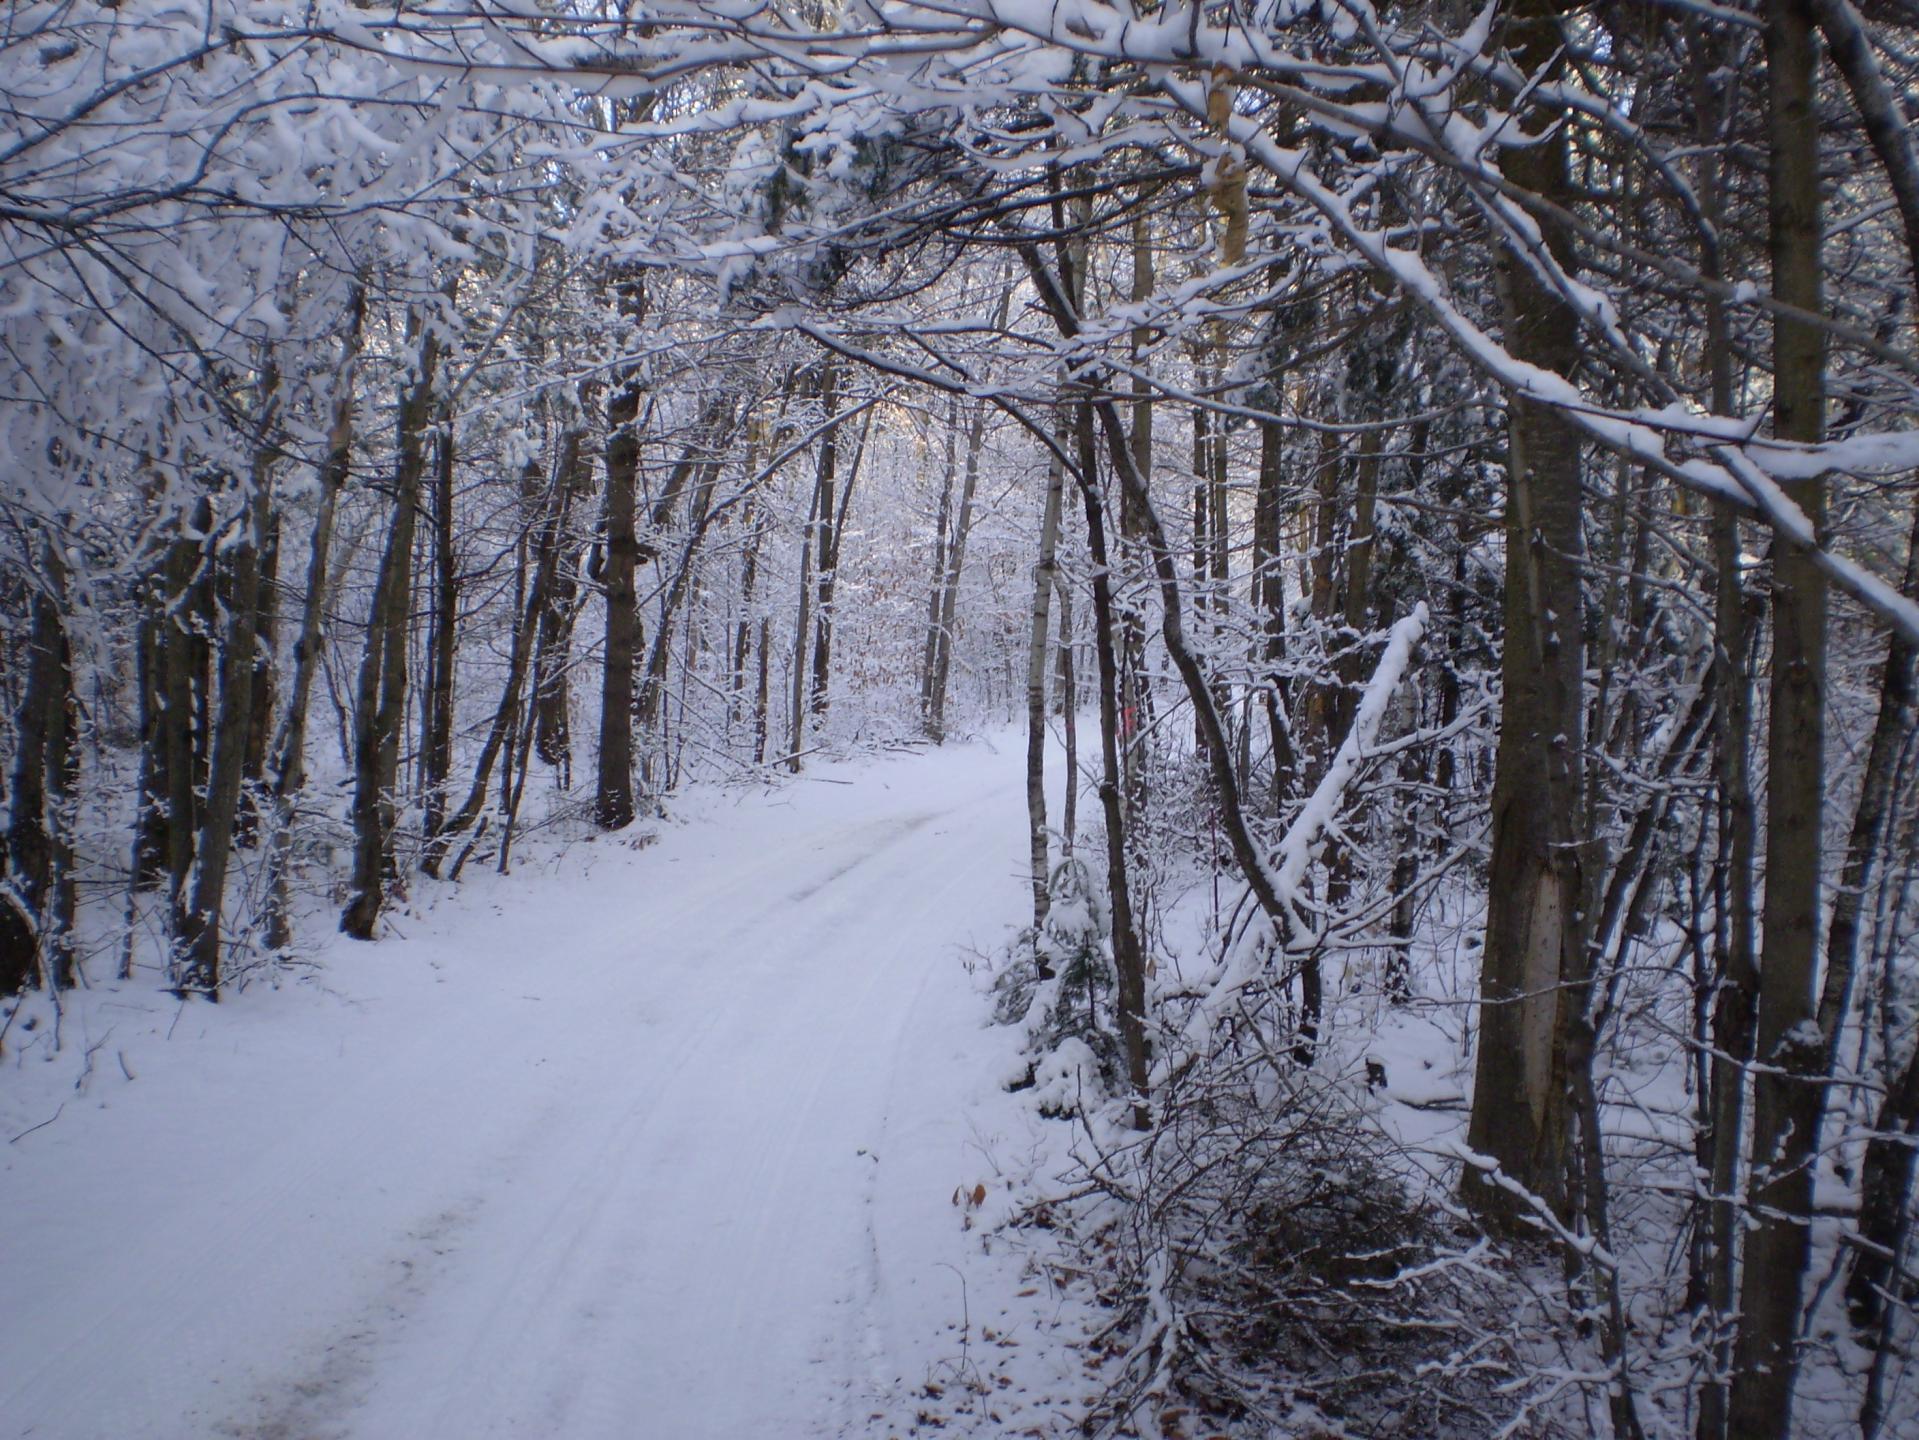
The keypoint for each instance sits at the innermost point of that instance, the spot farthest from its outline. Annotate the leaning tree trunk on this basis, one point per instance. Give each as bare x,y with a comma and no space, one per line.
830,572
950,581
380,705
1137,496
501,733
659,656
288,761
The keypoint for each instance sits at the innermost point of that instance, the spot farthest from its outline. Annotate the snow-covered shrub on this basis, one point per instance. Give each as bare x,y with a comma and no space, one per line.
1060,985
1278,1267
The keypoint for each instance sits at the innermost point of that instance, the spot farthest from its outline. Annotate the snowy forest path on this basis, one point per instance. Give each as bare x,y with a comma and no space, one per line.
660,1143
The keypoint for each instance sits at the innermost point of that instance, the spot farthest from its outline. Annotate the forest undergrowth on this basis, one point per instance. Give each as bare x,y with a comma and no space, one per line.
1280,1250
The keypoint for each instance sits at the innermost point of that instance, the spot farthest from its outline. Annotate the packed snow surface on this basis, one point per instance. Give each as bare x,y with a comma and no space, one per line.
639,1141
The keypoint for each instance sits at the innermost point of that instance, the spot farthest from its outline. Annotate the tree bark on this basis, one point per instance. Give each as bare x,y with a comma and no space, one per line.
937,589
1734,1000
380,702
1789,1091
1537,891
185,562
1269,603
950,582
38,848
199,971
613,797
825,506
830,572
1045,579
436,748
802,632
1128,961
552,659
548,505
288,760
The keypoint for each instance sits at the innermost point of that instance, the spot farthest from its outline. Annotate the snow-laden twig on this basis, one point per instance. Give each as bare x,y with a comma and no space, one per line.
1295,850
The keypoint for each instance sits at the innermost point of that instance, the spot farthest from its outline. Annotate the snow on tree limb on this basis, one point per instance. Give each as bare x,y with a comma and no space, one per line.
1287,866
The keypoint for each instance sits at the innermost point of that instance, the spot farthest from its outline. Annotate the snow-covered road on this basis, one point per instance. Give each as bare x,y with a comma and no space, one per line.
650,1143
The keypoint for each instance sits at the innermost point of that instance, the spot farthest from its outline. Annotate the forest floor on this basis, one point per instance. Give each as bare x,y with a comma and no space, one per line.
695,1133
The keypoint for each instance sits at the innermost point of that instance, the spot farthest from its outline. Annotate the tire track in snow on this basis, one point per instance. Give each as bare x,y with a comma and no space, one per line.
604,1181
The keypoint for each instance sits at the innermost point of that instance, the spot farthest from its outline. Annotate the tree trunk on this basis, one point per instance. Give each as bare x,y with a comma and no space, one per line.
380,704
199,971
1789,1093
288,761
502,734
1886,1177
825,547
149,670
436,748
1269,603
1537,891
762,697
830,572
184,564
755,528
552,659
1068,713
1734,1002
247,825
653,681
802,632
613,797
937,589
950,582
1128,961
39,849
1045,578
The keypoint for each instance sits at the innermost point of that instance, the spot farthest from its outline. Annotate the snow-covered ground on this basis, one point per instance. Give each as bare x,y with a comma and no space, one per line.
640,1141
